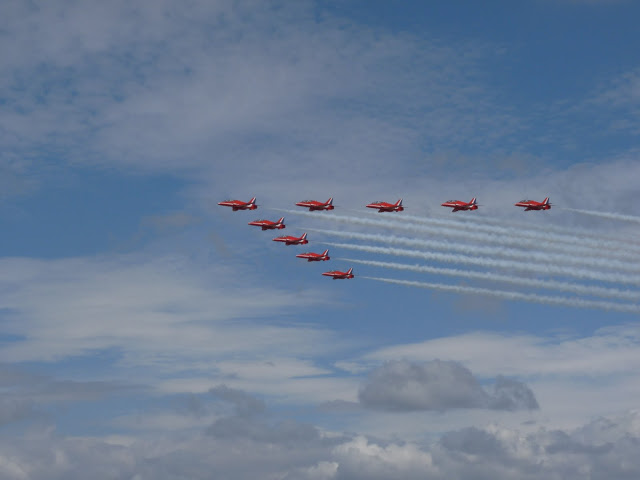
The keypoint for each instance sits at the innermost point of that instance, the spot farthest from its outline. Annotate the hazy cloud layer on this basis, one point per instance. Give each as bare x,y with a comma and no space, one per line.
26,395
439,385
242,447
245,404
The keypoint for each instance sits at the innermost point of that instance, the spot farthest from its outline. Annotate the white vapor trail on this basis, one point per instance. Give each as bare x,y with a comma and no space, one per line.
507,295
576,240
526,255
596,291
610,215
494,263
595,250
535,230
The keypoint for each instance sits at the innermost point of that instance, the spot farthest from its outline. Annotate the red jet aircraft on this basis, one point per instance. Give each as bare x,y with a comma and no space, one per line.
269,225
460,205
240,205
387,207
289,240
533,205
315,257
338,275
315,205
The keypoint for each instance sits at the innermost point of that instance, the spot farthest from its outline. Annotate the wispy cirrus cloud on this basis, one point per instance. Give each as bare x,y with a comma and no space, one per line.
559,355
160,313
160,87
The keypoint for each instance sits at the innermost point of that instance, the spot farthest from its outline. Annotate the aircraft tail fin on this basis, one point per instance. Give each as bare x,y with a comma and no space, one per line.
350,271
546,201
280,221
473,201
399,203
252,201
325,253
330,201
304,236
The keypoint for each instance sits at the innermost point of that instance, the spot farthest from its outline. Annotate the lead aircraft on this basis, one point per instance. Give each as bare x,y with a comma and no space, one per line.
533,205
289,240
338,275
268,224
239,204
316,205
457,205
387,207
315,257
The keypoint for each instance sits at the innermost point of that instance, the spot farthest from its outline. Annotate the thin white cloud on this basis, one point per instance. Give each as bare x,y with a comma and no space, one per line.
609,351
163,313
156,87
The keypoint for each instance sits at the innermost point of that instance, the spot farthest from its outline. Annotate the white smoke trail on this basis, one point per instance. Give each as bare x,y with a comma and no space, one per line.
591,290
528,229
527,297
610,215
541,257
573,239
606,245
602,250
493,263
544,228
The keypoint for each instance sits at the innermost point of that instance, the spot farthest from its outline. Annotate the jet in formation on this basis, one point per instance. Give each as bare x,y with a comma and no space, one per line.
289,240
239,204
387,207
315,205
338,275
457,205
269,225
315,257
533,205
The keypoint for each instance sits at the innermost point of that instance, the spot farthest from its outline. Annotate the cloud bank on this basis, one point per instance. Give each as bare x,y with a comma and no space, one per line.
439,385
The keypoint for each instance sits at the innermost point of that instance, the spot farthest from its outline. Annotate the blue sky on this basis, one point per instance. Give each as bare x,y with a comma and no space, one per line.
144,327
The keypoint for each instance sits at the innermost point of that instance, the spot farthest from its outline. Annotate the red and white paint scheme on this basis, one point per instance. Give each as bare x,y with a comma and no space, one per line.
338,275
289,240
387,207
533,205
269,225
457,205
315,205
315,257
239,204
